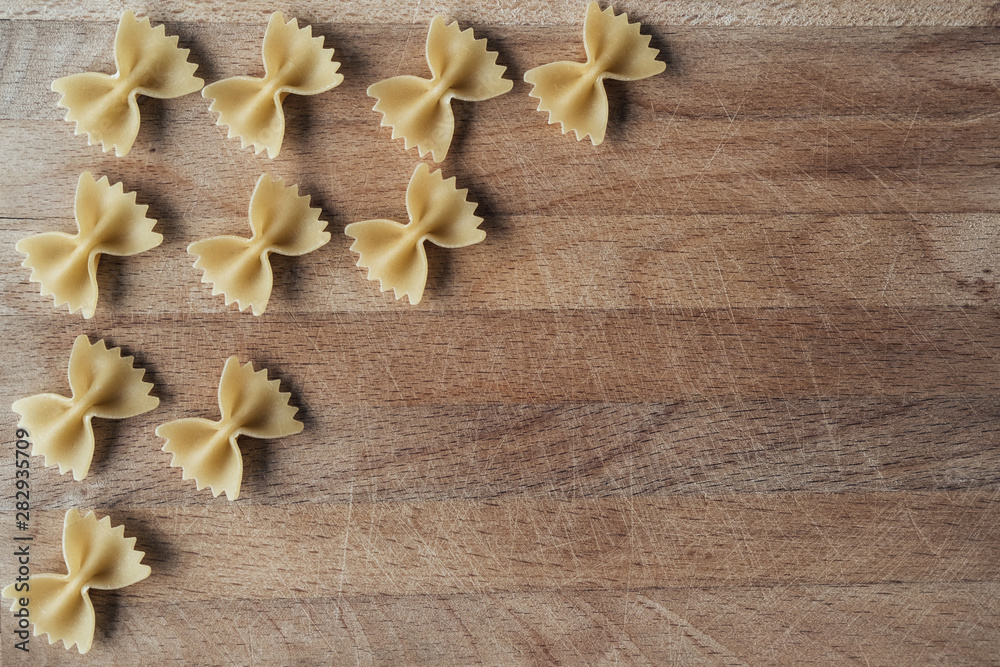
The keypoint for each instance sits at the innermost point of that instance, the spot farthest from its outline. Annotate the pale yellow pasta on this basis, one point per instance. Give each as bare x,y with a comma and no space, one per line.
207,451
419,110
294,62
280,221
149,63
573,93
108,222
97,556
394,253
105,385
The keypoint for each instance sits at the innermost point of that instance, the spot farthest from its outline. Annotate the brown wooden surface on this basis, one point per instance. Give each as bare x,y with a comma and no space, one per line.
720,391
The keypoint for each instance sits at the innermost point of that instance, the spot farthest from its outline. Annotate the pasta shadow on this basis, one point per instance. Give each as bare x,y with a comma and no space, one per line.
257,466
106,611
440,271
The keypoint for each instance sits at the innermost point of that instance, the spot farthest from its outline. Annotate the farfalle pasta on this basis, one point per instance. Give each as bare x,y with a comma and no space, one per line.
97,556
294,62
103,384
149,63
419,110
394,253
573,93
207,451
109,222
281,222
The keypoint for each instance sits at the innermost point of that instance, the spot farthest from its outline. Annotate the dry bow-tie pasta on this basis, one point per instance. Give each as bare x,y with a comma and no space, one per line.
149,63
294,62
97,556
394,253
207,451
419,110
104,385
108,222
573,93
281,222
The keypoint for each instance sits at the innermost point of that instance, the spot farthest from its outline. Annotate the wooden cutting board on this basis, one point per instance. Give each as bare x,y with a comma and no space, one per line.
721,390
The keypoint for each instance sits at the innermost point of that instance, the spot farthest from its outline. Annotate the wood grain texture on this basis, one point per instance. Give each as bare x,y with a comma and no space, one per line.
720,391
533,12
